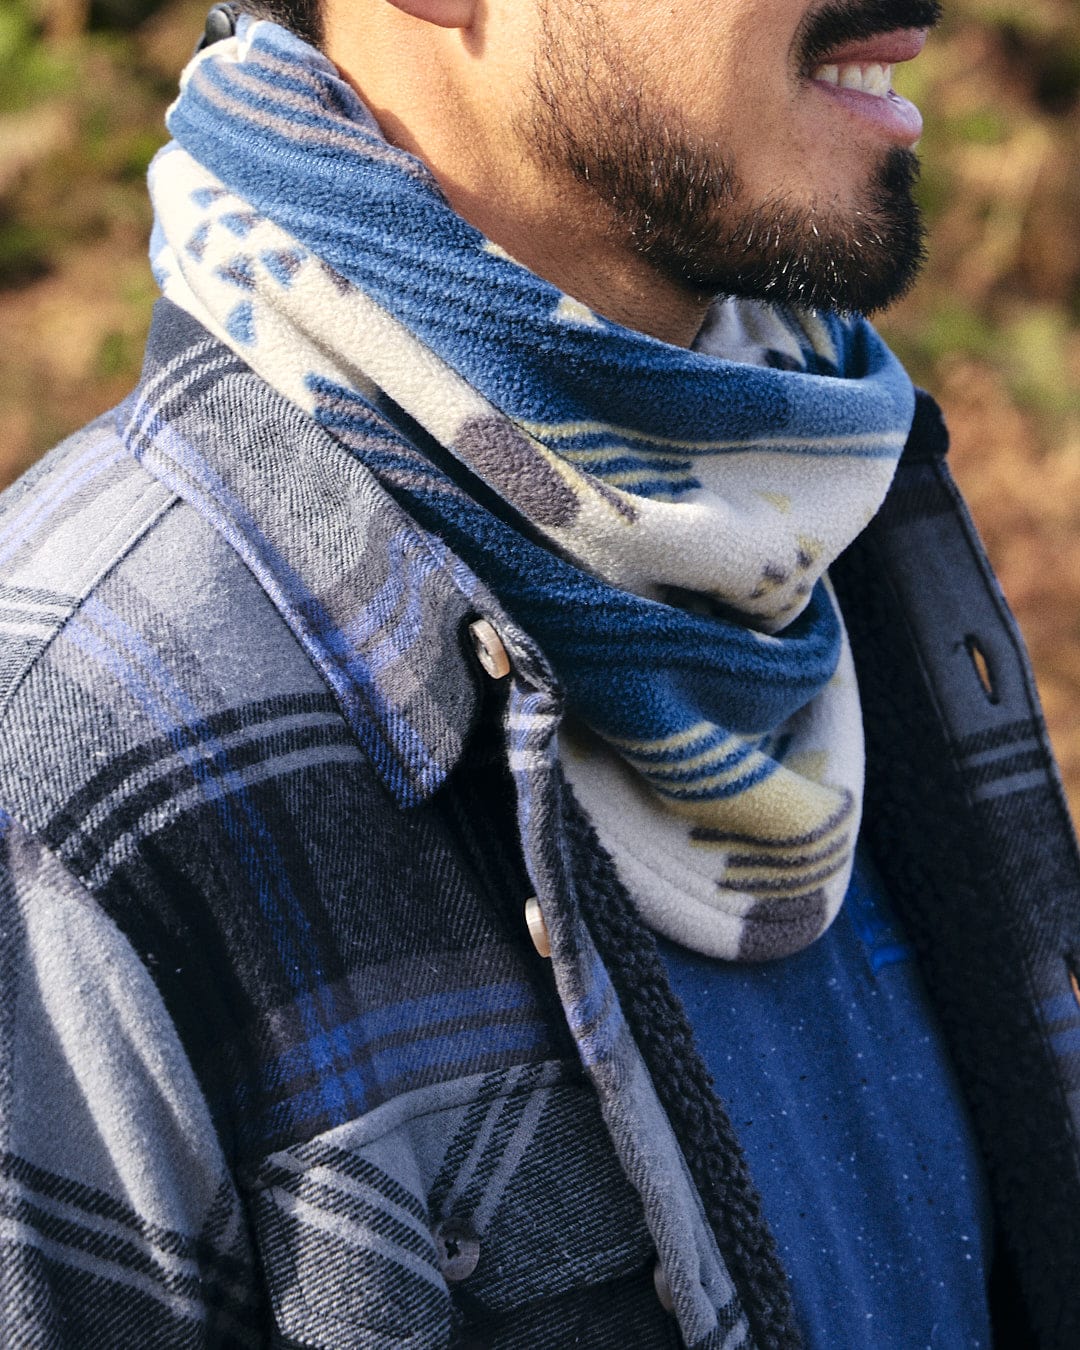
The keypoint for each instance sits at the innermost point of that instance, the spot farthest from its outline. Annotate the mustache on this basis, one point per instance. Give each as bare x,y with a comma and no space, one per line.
838,23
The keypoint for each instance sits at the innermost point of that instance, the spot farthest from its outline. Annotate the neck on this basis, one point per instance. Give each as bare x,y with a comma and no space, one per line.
565,242
412,78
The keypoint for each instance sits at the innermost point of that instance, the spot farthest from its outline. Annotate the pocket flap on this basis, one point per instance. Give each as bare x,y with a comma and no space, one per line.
503,1188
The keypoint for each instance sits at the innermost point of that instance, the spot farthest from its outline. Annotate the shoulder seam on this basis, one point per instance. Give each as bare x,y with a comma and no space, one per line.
137,531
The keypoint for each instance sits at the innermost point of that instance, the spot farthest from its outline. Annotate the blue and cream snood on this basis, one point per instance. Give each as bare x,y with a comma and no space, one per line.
660,520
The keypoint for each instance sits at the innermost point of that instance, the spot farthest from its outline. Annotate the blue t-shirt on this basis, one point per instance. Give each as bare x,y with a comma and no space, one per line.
838,1084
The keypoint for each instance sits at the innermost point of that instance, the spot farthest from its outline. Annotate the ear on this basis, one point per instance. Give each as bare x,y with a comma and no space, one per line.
442,13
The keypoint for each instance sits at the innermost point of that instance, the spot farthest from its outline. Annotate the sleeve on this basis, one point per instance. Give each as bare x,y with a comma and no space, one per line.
120,1223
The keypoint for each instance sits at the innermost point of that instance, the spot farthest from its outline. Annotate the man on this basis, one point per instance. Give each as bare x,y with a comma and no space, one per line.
516,660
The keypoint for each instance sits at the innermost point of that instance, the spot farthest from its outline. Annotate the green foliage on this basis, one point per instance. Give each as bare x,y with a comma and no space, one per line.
116,355
1034,344
25,252
980,126
29,69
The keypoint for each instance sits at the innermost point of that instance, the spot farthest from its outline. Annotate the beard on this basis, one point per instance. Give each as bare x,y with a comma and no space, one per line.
678,201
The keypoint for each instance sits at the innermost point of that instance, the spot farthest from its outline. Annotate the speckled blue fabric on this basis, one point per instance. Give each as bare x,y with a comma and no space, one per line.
837,1081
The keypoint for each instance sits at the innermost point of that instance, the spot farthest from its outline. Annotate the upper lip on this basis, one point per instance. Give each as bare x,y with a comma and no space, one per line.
886,49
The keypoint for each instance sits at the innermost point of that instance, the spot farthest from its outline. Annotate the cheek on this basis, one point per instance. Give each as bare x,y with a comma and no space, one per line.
741,94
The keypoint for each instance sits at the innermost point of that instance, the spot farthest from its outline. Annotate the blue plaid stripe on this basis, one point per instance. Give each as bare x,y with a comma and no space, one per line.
351,1066
596,1018
38,513
341,1094
111,642
361,639
405,759
412,1016
1061,1014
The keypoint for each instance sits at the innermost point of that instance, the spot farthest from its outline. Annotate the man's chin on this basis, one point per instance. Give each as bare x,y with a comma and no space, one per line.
859,262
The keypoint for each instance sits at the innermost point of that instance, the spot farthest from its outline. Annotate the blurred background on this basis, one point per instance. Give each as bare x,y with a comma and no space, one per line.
993,328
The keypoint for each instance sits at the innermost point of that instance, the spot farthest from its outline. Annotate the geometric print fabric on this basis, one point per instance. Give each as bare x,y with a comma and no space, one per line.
682,500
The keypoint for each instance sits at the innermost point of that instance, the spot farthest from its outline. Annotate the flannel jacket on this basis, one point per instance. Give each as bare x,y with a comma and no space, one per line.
280,1064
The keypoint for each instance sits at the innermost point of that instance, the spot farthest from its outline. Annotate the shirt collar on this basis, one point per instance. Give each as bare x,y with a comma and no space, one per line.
381,607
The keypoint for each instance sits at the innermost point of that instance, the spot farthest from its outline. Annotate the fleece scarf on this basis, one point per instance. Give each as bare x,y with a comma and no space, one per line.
660,520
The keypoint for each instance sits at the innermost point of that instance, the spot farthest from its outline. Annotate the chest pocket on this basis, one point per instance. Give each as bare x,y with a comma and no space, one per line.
486,1211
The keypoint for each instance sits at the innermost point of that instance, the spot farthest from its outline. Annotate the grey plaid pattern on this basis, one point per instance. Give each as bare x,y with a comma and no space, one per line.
339,547
268,1012
231,635
101,1118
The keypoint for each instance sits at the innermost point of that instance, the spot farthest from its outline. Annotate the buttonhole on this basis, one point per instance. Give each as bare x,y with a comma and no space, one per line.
1072,964
982,668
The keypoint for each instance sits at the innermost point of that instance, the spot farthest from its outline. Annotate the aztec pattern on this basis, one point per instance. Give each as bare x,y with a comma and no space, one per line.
659,520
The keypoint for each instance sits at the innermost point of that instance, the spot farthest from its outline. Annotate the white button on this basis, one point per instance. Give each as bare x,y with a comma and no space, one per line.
489,649
663,1289
537,927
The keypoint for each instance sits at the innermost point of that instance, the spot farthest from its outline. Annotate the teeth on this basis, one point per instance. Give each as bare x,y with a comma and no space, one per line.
872,79
877,80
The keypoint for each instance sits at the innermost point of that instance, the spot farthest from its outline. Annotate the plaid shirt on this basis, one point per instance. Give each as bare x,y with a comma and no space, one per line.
280,1064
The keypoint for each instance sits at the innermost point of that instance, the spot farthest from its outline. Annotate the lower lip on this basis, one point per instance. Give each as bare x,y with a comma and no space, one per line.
894,117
